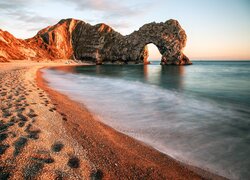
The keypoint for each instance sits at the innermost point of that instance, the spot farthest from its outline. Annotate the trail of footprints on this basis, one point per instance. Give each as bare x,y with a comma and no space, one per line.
17,129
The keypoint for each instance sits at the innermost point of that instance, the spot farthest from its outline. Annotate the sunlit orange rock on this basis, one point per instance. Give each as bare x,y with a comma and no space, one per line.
75,39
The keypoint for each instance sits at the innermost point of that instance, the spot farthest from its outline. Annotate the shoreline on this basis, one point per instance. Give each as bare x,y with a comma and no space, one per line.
154,157
46,135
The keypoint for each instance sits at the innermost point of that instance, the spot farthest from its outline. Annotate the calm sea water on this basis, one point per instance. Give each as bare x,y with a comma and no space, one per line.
198,114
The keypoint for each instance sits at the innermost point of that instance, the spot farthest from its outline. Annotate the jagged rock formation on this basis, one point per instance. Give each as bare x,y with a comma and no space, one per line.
53,42
57,39
75,39
12,48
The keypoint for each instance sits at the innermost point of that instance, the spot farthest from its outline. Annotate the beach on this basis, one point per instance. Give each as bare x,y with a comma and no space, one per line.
46,135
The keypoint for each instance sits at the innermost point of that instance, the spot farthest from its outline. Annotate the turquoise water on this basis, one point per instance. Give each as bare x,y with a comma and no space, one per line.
197,114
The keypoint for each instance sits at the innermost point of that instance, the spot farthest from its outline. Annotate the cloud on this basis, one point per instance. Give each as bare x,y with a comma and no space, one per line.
111,9
18,10
6,5
116,13
19,20
118,25
29,17
21,10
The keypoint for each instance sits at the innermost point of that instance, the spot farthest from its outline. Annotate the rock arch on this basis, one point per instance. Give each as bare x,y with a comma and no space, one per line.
104,45
147,54
152,53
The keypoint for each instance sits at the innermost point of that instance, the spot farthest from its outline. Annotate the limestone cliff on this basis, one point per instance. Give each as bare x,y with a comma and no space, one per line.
57,39
12,48
75,39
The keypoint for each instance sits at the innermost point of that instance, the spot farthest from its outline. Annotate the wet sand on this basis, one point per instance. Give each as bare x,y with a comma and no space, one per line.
45,135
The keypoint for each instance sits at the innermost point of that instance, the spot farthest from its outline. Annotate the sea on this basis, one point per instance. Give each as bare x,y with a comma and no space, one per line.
197,114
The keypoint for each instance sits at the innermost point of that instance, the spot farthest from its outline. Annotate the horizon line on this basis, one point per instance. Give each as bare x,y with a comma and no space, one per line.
209,60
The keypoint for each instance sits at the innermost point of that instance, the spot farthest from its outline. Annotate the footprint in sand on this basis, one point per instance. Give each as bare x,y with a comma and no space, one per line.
46,102
22,117
32,133
3,148
57,147
64,117
42,157
52,109
6,113
14,119
21,124
13,135
19,145
73,162
32,114
20,110
32,169
4,174
96,175
3,136
3,126
60,175
36,163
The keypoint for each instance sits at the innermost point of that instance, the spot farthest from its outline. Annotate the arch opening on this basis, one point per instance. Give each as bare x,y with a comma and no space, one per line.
153,53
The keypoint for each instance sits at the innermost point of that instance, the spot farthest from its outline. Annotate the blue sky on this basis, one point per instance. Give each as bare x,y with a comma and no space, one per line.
216,29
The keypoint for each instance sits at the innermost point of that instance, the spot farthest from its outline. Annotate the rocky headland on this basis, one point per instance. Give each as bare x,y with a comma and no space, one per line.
77,40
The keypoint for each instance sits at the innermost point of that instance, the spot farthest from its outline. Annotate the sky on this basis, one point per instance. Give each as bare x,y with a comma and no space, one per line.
216,29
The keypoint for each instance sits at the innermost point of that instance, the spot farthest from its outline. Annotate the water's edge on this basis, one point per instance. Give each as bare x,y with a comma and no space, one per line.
190,120
203,172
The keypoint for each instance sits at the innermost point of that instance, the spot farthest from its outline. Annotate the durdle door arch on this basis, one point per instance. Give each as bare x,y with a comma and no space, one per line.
112,47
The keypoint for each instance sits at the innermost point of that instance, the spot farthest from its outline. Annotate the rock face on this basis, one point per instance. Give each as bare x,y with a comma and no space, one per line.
53,42
17,49
75,39
57,39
